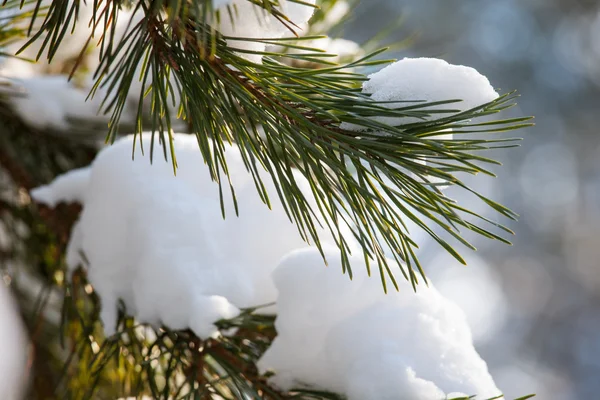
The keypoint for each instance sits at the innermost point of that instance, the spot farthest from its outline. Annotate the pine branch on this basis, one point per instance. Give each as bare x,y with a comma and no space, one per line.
188,66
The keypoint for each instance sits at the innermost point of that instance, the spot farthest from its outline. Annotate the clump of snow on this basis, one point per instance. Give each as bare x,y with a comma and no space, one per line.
159,242
351,338
53,102
68,188
13,355
298,13
428,79
49,101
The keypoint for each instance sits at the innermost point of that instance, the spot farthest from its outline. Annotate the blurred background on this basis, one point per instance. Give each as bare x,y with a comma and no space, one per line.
535,306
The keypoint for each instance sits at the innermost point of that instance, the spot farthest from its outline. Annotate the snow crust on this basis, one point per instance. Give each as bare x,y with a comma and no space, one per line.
13,356
350,337
429,79
159,242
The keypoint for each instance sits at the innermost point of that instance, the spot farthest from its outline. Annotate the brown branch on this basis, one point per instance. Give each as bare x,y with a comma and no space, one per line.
15,171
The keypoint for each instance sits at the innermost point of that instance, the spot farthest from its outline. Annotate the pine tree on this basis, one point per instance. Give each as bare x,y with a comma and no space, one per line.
289,108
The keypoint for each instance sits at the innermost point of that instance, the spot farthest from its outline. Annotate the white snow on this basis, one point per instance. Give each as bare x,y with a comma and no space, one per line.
50,101
333,16
463,284
351,338
70,48
429,79
159,242
13,355
221,3
46,99
67,188
252,21
344,50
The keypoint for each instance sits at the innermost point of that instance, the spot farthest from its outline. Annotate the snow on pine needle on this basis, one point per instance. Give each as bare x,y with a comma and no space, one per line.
412,80
160,243
241,21
46,99
349,337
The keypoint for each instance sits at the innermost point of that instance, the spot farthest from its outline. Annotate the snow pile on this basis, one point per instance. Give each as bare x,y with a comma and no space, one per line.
429,79
13,354
349,337
159,242
344,49
54,102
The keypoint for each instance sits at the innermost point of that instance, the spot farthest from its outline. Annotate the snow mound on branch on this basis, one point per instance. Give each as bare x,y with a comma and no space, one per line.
68,188
159,242
47,99
13,356
351,338
49,102
428,79
53,102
